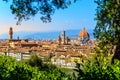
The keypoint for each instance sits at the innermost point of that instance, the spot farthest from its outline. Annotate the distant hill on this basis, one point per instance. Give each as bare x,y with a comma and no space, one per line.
43,35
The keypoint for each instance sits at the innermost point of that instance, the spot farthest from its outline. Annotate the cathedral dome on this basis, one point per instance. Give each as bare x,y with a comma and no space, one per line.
83,33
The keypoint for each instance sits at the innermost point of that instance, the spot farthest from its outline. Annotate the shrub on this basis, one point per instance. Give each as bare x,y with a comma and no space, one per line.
10,69
98,68
36,61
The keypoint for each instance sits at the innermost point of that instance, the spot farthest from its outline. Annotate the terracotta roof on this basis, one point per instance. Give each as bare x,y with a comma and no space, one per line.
83,33
44,54
76,54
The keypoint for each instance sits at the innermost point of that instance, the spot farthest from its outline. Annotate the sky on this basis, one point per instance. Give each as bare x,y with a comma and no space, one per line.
79,15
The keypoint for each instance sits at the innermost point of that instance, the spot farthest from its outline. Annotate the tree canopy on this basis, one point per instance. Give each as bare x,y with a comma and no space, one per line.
25,9
108,23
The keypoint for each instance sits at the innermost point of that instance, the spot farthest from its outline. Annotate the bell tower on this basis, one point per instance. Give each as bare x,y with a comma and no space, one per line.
10,34
63,37
59,40
67,40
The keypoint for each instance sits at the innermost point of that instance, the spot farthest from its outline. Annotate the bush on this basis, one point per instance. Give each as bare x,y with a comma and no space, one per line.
10,69
98,68
36,61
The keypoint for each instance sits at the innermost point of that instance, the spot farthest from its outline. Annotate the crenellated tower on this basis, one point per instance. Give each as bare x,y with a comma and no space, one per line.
10,34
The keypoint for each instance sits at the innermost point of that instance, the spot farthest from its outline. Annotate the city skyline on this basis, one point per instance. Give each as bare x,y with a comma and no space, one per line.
78,15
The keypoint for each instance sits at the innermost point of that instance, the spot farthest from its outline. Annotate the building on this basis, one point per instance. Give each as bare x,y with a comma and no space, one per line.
63,37
83,36
10,33
63,53
82,39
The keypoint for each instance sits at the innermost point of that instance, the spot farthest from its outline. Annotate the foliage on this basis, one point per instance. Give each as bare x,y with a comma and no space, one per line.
36,61
10,69
25,9
49,69
108,20
104,50
58,75
98,68
108,24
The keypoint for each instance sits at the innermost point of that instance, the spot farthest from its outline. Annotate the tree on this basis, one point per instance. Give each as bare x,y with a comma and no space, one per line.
25,9
108,24
98,67
10,69
35,61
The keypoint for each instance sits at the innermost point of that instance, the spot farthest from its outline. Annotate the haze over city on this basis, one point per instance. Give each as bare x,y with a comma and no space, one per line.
78,15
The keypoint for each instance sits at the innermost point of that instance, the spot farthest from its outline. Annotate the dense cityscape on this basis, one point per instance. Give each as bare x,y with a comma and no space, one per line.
73,40
64,51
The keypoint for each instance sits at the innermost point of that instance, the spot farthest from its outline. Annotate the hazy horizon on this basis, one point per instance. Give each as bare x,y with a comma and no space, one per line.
44,35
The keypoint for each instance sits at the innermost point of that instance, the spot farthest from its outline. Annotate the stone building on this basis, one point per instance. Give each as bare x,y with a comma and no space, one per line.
10,33
83,36
82,39
63,39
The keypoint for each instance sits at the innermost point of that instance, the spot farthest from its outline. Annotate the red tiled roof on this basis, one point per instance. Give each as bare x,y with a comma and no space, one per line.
83,33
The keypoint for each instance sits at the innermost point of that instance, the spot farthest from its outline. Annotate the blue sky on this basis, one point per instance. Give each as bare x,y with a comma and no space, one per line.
78,15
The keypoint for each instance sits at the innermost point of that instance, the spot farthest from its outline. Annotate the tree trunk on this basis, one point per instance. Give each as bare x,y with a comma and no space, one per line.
117,53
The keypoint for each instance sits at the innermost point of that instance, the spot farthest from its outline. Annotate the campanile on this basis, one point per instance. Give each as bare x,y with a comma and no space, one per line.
10,33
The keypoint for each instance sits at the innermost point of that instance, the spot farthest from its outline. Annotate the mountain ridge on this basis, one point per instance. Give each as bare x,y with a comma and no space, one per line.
44,35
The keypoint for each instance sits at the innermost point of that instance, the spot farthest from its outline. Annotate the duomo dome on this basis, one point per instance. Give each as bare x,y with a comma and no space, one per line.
83,36
83,33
